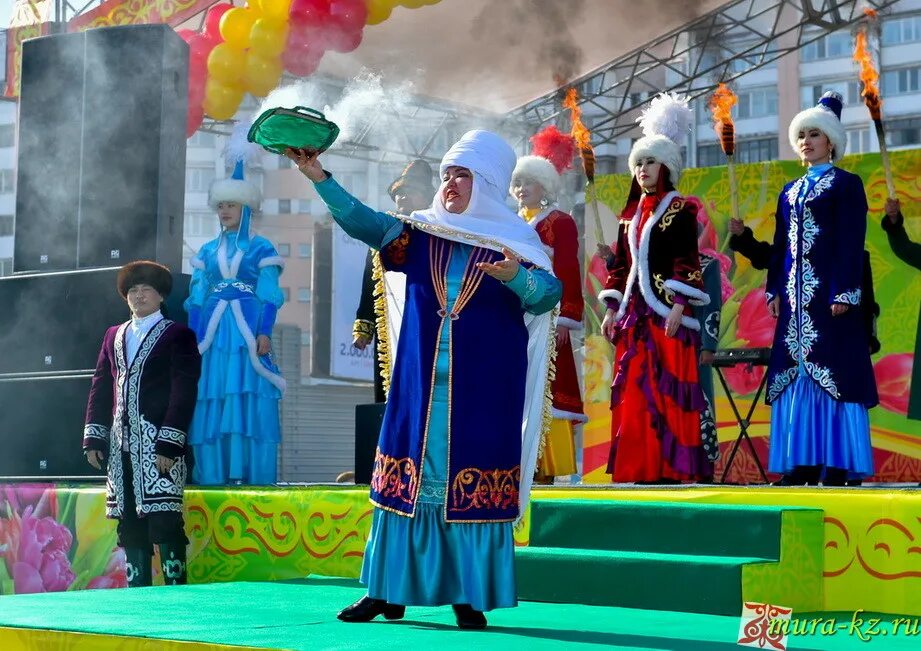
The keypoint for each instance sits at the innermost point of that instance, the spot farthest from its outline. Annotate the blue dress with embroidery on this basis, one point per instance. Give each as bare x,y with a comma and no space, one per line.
234,298
423,560
820,378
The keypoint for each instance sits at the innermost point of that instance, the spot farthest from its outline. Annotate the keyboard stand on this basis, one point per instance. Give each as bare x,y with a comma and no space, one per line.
744,423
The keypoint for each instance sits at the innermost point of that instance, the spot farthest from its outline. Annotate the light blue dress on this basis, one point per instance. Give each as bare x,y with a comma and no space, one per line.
234,297
423,560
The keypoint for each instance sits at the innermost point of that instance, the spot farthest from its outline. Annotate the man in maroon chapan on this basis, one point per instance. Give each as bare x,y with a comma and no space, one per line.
137,416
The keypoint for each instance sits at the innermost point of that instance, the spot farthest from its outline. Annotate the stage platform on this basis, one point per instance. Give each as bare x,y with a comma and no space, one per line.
703,549
301,616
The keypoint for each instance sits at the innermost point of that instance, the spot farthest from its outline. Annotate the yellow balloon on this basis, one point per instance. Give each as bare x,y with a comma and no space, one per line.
262,75
236,25
413,4
276,9
379,11
221,100
255,5
225,63
268,38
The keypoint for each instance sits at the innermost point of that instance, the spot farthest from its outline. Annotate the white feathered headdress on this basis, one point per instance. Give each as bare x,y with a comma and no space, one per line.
665,123
237,154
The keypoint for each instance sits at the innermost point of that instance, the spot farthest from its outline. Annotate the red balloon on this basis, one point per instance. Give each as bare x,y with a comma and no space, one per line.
308,13
213,19
198,76
339,40
301,60
200,47
301,35
186,34
194,119
349,15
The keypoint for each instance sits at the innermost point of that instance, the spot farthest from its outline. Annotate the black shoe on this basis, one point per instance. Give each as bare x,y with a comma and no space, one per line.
366,609
468,618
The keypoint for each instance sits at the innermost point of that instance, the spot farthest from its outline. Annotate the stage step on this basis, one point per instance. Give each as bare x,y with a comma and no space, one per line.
679,582
692,557
664,527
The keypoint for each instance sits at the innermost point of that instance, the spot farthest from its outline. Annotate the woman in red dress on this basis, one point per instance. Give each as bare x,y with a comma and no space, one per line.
653,284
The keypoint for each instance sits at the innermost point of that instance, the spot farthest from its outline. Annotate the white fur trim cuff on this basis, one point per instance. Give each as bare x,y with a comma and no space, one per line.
572,324
695,296
234,190
611,294
93,431
272,261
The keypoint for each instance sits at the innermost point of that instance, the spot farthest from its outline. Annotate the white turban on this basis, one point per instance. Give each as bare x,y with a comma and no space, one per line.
487,222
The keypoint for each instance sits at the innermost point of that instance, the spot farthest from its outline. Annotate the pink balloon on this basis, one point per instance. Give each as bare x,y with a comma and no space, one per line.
349,15
194,119
308,13
186,34
213,19
301,60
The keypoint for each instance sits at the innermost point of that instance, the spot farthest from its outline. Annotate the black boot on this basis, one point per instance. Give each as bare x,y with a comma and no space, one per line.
172,563
468,618
835,477
137,566
366,609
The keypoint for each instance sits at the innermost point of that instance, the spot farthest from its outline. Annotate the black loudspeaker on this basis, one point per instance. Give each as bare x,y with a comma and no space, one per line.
41,427
101,172
54,322
368,421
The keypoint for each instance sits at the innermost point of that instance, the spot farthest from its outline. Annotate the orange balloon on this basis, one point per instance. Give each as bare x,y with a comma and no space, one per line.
268,37
236,25
221,100
225,63
261,75
276,9
379,11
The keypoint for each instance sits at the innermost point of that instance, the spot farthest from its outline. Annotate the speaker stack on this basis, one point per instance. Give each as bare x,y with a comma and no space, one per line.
101,182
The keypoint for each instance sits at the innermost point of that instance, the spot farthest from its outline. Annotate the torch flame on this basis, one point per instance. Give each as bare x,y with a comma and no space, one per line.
870,13
721,104
869,75
581,134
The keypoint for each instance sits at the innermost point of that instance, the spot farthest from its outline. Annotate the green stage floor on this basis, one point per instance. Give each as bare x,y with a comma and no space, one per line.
301,616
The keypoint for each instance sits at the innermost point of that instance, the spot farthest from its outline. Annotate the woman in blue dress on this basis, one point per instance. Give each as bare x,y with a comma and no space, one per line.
232,305
820,378
470,396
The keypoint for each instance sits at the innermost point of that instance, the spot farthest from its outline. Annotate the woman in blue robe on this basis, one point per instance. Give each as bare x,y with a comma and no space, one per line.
232,305
820,378
469,400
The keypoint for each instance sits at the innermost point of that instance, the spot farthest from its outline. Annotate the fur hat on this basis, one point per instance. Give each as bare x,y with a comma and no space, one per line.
236,190
824,116
417,175
665,125
144,272
552,152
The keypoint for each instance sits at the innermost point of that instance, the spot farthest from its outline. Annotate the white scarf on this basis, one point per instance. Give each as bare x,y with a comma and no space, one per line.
489,223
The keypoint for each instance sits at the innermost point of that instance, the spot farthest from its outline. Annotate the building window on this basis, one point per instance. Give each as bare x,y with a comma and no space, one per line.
747,151
901,82
286,292
6,266
850,90
303,295
903,133
201,224
832,46
901,30
284,206
757,103
7,181
858,141
202,139
6,225
284,250
305,338
7,135
304,250
198,179
355,182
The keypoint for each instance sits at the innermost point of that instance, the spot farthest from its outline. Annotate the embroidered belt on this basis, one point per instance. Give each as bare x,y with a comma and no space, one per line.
232,288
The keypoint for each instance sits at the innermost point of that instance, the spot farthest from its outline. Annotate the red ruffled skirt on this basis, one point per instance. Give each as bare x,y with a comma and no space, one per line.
656,402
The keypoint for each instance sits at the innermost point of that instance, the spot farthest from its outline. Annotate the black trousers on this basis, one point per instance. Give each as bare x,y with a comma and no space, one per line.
166,527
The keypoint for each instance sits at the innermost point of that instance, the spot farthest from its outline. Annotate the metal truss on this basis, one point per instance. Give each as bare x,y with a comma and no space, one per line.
721,46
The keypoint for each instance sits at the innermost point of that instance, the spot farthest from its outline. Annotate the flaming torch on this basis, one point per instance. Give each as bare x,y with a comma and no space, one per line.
869,75
583,138
721,104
